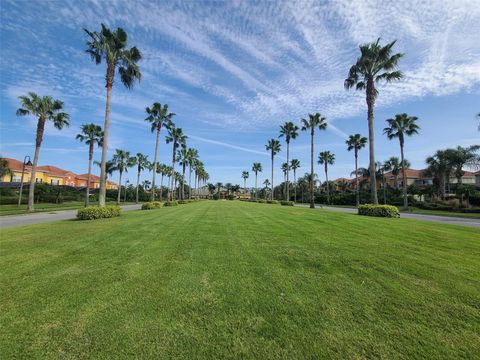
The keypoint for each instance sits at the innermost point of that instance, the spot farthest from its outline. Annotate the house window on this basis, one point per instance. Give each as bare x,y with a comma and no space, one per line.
38,180
16,178
54,182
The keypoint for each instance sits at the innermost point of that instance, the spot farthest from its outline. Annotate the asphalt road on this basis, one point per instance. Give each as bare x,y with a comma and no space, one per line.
47,216
42,217
434,218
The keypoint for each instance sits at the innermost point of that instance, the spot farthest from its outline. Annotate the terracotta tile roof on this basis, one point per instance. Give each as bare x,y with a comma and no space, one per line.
93,178
16,165
410,173
53,170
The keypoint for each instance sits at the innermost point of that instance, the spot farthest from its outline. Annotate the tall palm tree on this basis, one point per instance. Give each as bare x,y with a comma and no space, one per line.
192,158
43,108
314,121
142,163
394,165
110,167
267,184
290,131
294,165
177,138
355,143
256,168
92,135
285,168
199,171
123,161
182,156
273,146
112,47
439,167
158,116
245,176
399,127
376,63
326,158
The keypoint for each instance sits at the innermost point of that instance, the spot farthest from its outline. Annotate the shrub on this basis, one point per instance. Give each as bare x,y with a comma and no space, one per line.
231,197
272,202
287,203
183,201
215,196
171,203
95,212
152,205
261,201
379,210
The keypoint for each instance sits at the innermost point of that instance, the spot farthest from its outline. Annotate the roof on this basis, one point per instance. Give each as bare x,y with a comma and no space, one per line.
16,165
410,173
53,170
92,177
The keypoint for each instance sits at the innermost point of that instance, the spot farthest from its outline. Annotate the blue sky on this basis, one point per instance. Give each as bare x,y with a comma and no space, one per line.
234,71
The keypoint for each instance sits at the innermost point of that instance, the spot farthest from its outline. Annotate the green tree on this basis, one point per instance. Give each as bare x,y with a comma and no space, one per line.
142,163
458,158
273,146
290,131
112,47
91,135
122,161
4,168
314,121
399,127
355,143
376,63
192,159
44,109
326,158
177,138
158,116
294,165
182,157
439,168
285,168
245,176
256,168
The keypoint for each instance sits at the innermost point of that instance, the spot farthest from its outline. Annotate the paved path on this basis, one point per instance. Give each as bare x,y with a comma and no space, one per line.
42,217
435,218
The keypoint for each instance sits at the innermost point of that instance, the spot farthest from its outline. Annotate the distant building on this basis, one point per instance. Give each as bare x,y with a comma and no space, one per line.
52,175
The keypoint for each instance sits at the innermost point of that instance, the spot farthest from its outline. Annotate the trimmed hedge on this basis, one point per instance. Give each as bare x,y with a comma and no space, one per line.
95,212
287,203
152,205
379,210
171,203
261,201
272,202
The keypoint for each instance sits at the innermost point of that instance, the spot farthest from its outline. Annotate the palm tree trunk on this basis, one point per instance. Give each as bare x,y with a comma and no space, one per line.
106,127
138,183
38,143
119,187
90,158
183,182
295,188
190,183
357,192
161,187
328,187
459,185
271,196
256,186
371,139
288,169
171,192
155,156
404,175
312,195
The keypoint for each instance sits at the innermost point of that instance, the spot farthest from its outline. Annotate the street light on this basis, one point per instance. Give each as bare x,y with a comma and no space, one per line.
125,195
25,162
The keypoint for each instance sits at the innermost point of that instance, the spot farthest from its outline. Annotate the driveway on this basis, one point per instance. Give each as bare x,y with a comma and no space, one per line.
434,218
47,216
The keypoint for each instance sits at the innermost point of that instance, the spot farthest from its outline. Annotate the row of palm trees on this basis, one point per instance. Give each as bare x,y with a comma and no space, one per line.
111,47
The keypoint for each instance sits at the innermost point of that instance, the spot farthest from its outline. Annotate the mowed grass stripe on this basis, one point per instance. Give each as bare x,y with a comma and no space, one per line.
240,280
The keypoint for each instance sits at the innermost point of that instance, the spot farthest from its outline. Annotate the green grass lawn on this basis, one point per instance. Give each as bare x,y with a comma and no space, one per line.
42,207
225,279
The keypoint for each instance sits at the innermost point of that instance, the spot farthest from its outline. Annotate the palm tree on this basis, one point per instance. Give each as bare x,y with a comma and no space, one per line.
142,163
285,168
314,121
123,161
4,167
273,146
290,131
393,164
256,168
182,156
110,167
146,184
177,138
294,165
111,47
439,167
399,127
218,185
158,116
376,63
267,185
92,135
192,158
326,158
44,108
245,176
458,158
199,171
355,143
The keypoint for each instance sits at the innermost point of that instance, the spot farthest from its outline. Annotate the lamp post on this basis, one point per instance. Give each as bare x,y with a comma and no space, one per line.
25,162
125,195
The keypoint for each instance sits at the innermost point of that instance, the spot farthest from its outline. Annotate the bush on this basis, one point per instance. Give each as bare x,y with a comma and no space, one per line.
231,197
152,205
261,201
171,203
95,212
215,196
272,202
287,203
379,210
